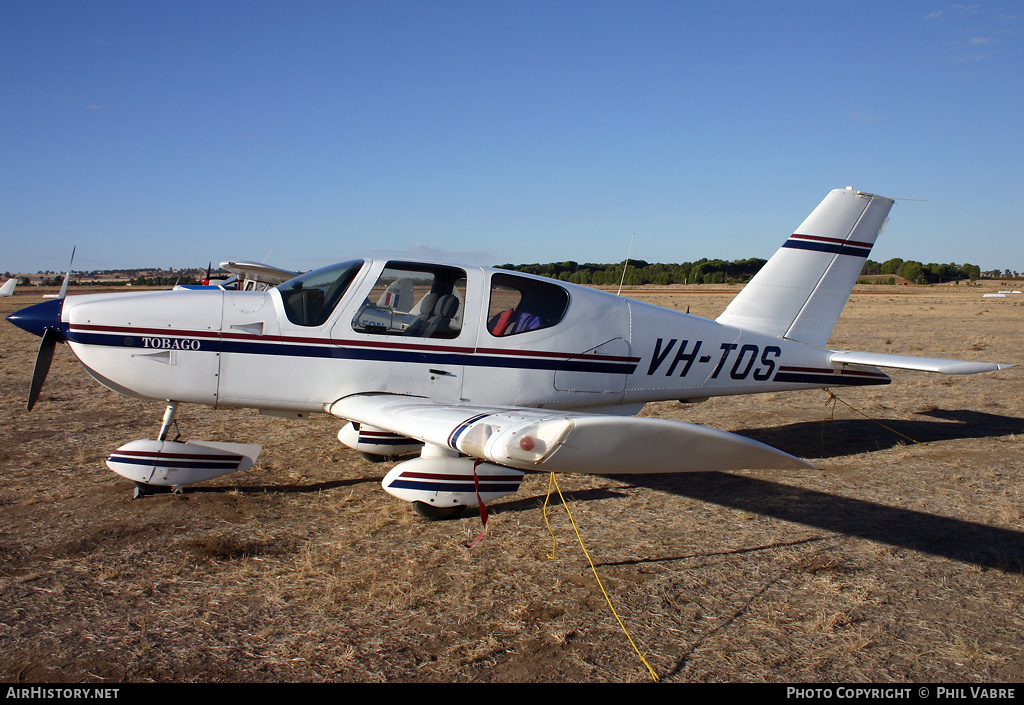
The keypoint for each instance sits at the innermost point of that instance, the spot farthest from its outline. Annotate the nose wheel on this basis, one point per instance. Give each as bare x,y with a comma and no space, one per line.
436,513
144,490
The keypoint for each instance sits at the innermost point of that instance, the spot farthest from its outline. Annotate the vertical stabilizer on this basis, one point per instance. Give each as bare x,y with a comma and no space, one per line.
803,288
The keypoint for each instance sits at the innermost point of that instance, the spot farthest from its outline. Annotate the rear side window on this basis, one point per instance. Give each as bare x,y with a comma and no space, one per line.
519,305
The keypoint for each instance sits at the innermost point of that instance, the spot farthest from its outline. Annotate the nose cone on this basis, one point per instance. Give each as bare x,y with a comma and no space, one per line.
36,319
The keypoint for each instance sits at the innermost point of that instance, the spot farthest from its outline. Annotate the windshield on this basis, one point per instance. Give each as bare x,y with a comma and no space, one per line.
310,299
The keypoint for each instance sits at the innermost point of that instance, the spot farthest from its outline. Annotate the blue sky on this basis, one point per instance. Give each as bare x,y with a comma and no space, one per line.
175,133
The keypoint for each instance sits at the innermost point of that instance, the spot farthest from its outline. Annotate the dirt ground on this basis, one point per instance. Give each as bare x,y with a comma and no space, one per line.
899,559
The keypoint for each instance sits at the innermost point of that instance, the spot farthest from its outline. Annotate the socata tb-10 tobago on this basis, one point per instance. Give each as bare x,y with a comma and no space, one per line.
490,374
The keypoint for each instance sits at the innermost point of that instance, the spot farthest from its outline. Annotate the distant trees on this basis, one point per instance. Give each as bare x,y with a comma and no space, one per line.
717,271
639,272
163,281
919,273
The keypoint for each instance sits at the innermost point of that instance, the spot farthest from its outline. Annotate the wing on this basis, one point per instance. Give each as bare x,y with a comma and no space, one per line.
257,271
564,441
922,364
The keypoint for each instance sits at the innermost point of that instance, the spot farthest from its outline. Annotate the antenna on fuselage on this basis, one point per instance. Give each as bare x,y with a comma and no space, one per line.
626,265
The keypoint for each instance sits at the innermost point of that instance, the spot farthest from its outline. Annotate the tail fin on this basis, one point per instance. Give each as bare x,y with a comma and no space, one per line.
803,288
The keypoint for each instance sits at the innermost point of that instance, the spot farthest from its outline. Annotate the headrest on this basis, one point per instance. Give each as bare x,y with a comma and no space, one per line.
447,306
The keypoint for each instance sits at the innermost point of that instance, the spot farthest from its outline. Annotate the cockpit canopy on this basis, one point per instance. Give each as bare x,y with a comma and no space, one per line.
424,300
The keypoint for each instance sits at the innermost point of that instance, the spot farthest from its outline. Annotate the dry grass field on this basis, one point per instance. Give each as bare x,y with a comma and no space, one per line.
900,559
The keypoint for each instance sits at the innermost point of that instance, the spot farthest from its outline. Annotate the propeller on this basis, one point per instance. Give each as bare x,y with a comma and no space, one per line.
43,359
42,319
67,277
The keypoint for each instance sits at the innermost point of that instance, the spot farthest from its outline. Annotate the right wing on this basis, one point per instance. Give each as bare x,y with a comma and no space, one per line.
549,440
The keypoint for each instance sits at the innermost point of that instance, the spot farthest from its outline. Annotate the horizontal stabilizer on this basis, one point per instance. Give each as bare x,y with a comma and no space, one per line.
565,441
921,364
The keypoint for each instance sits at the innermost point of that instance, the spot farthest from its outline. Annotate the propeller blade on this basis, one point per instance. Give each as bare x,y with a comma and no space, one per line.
43,359
67,277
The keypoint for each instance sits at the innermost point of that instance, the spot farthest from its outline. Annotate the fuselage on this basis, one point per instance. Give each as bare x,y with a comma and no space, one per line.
304,345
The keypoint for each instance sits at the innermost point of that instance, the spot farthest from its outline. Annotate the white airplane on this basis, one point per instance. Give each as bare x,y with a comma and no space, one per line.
256,276
245,276
497,374
8,288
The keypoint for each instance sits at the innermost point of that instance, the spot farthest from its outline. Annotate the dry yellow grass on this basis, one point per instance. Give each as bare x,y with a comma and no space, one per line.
893,562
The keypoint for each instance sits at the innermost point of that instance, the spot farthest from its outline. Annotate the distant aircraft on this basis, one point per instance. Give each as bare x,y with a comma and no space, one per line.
246,276
256,276
8,288
490,374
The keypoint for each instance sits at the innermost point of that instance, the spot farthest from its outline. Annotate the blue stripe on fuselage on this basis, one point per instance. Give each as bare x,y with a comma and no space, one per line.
247,347
827,380
345,353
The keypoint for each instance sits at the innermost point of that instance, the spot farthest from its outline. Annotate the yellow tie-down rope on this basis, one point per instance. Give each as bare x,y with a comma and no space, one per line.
554,482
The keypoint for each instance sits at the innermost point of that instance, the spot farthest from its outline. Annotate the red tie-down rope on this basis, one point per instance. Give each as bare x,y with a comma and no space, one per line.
480,503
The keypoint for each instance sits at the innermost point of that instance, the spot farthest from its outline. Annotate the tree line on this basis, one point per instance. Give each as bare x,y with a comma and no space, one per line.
716,271
919,273
638,272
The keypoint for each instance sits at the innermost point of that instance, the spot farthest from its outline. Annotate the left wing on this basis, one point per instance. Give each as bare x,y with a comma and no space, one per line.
549,440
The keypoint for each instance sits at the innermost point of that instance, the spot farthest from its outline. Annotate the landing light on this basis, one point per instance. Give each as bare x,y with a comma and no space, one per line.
536,442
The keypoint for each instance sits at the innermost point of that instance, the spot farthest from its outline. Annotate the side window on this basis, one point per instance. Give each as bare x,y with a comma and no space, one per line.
310,299
519,305
423,301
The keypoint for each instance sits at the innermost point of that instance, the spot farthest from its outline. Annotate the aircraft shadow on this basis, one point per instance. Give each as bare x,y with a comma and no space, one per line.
285,489
838,437
964,541
956,539
529,504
